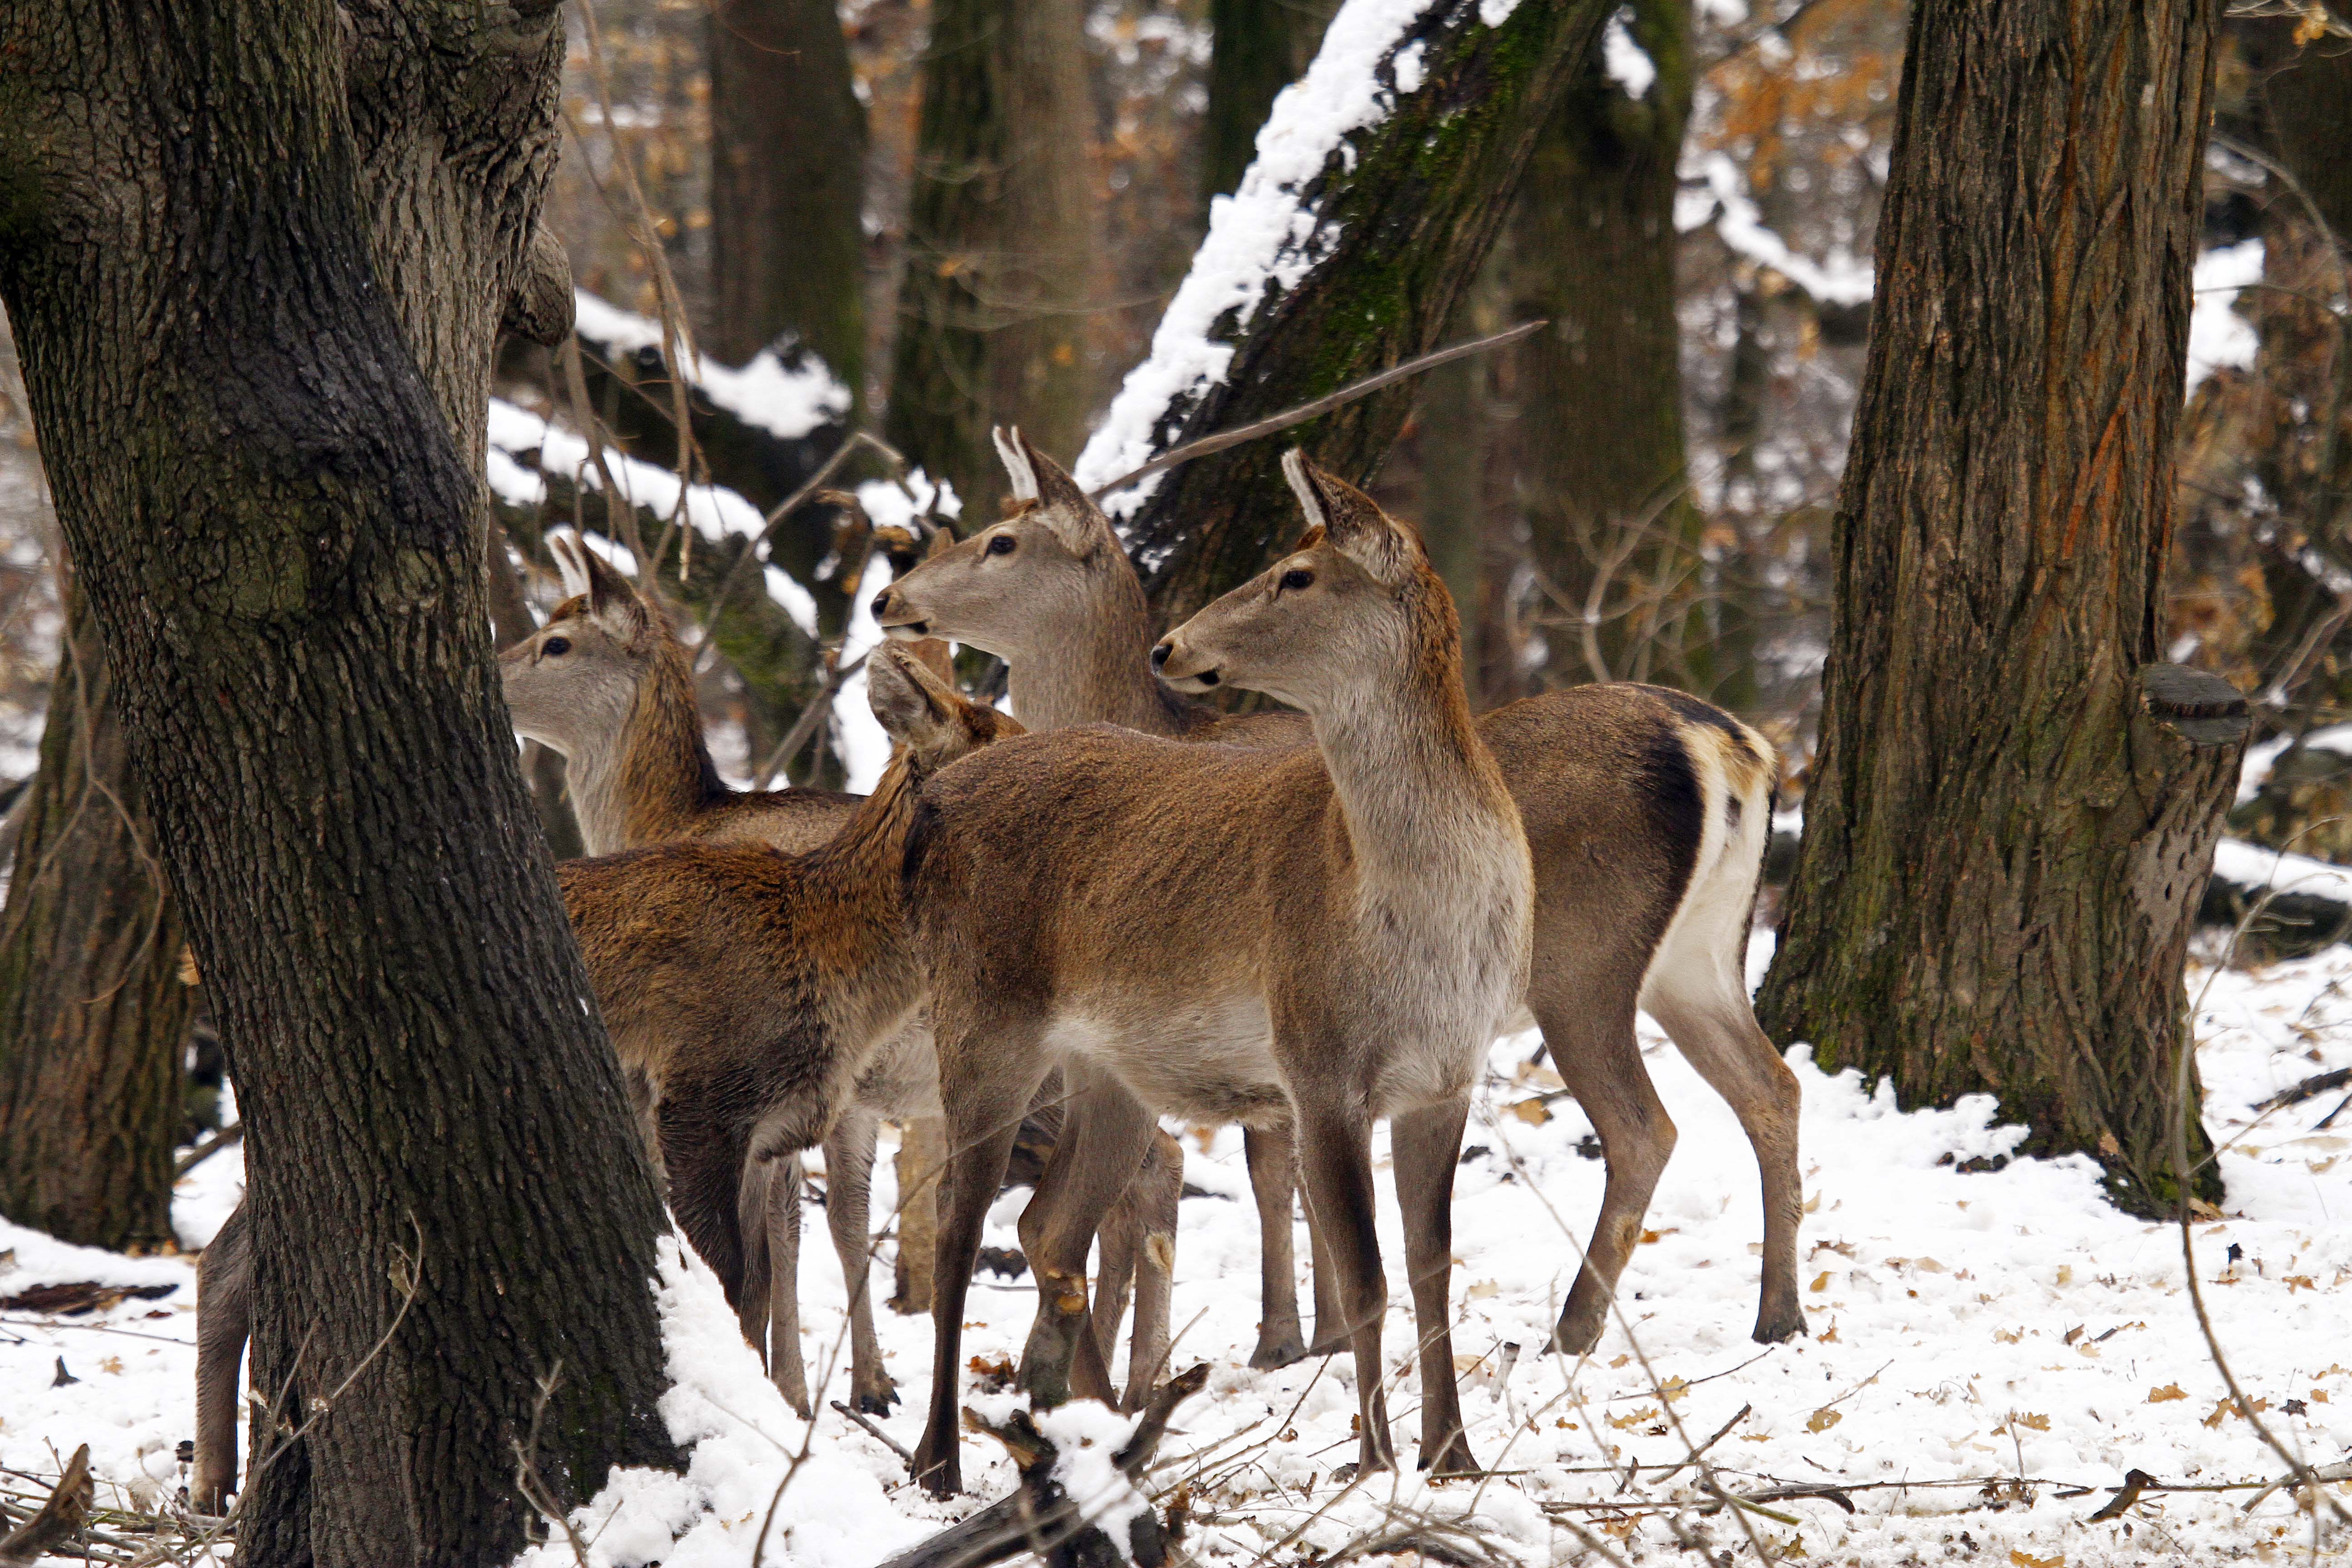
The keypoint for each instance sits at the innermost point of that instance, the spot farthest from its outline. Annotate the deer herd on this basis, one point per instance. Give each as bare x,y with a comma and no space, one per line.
1119,906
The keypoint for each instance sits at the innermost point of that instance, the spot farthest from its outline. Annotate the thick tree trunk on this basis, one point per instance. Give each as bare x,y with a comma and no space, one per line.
2012,819
93,1014
1256,47
1003,243
1402,217
280,532
1611,522
787,185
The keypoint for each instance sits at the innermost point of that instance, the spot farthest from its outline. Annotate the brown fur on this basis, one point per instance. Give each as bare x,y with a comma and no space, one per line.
1351,966
1628,795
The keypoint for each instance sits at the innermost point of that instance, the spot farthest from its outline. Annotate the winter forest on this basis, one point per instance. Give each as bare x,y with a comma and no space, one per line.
1489,783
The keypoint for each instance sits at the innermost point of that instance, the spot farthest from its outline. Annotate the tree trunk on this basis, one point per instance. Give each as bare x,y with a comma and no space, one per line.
1401,216
1256,47
1003,243
93,1016
787,185
2011,818
1612,525
452,1222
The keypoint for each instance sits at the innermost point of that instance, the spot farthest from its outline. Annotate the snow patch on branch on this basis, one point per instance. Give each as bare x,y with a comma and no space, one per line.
2220,338
1837,279
1628,64
787,394
1268,236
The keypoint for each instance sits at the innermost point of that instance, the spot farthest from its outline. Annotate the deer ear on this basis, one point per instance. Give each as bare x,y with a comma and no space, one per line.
1062,506
1352,521
1013,453
612,601
567,549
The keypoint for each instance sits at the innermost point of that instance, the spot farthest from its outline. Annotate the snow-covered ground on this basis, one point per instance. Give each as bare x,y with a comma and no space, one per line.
1967,1329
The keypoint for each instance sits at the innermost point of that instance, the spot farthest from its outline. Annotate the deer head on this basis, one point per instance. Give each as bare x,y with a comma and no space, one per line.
1029,580
922,712
570,685
1351,607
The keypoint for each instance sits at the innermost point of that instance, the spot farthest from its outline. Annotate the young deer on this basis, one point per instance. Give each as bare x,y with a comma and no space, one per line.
1646,810
747,988
1342,949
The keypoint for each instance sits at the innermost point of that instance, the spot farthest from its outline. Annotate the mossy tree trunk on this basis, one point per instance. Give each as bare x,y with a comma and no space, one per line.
1612,525
2012,815
787,185
1256,47
1003,244
241,396
1410,207
93,1014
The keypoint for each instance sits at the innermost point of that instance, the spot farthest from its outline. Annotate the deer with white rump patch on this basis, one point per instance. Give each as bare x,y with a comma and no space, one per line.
1646,810
1341,949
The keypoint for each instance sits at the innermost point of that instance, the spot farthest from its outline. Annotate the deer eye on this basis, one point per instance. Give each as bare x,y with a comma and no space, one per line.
555,647
1298,578
1001,545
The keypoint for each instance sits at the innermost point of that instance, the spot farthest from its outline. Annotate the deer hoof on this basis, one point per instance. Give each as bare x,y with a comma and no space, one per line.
1279,1350
1452,1459
878,1400
1775,1324
939,1474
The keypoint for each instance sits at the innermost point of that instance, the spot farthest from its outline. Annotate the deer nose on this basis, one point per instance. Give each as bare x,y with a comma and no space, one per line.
1160,655
881,602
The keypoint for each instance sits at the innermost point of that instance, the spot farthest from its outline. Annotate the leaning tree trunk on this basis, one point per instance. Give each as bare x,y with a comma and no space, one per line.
452,1222
1256,47
1003,243
1612,525
1385,235
2013,809
93,1013
787,185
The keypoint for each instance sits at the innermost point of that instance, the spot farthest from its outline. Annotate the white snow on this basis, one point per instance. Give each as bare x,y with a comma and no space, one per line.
865,749
788,402
2253,866
1265,237
1838,278
1942,1306
2219,337
1628,64
2262,758
517,434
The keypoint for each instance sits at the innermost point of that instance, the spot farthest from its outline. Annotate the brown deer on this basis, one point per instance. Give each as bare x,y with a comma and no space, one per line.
1341,949
747,988
1646,810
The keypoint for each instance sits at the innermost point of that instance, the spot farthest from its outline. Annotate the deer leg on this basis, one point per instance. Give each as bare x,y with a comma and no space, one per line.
778,1219
1336,1158
984,1119
1121,1243
1330,1330
1425,1145
848,1182
224,1322
1602,1067
1156,1192
1106,1132
1718,1035
1273,1178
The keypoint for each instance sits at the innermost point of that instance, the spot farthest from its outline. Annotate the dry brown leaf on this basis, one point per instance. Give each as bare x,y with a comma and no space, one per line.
1481,1290
2026,1560
1653,1235
1824,1418
2038,1423
1822,1281
1647,1413
1534,1112
2168,1392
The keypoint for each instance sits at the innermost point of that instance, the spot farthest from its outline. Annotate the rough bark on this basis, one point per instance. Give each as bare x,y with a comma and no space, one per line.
787,185
1611,522
1003,243
93,1014
1411,204
2005,838
1256,47
243,404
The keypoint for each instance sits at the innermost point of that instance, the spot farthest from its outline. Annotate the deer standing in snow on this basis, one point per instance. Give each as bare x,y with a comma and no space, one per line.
1342,948
1647,813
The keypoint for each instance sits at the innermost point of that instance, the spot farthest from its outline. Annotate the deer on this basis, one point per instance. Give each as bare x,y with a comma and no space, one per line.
747,988
606,682
1647,812
1340,950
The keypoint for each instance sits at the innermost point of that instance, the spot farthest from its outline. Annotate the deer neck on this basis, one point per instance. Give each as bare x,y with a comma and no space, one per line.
656,779
1100,672
1416,786
858,866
